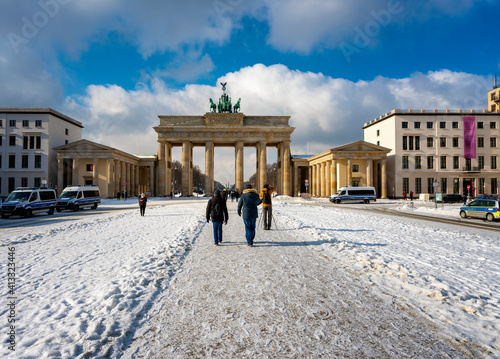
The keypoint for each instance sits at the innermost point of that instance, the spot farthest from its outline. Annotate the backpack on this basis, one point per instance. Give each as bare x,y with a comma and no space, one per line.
216,210
266,197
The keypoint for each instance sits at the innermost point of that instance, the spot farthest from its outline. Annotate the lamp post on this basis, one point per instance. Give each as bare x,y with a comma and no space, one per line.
44,183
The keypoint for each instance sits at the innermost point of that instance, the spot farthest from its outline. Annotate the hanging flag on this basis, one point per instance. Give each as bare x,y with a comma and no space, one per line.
469,137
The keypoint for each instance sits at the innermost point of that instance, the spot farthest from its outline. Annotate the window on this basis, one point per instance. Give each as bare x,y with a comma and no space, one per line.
406,184
430,185
493,142
418,162
355,168
404,124
481,186
417,143
456,162
493,125
443,162
468,164
494,186
430,142
378,143
12,161
480,162
405,143
454,124
24,181
442,141
456,186
90,167
38,162
38,182
66,132
38,123
24,162
444,185
378,133
405,162
26,123
32,142
12,140
493,162
38,142
480,142
12,184
1,123
410,144
442,124
12,123
1,140
430,124
355,183
65,142
430,162
416,125
418,185
455,141
480,125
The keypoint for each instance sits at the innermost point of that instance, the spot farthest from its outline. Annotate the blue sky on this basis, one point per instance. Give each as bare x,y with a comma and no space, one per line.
332,65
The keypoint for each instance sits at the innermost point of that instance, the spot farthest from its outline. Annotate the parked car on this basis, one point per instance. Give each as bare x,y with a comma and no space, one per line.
75,198
484,207
26,201
453,198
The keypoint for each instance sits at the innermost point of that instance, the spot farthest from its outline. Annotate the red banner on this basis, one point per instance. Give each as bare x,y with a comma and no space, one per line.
469,137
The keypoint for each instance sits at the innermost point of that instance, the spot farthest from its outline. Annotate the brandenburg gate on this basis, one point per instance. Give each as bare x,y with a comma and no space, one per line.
224,126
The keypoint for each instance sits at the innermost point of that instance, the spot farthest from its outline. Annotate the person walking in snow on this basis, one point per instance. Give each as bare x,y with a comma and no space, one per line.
217,212
247,204
224,194
142,203
267,205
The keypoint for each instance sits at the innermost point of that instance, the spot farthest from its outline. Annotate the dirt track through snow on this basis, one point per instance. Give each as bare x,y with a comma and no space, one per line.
279,299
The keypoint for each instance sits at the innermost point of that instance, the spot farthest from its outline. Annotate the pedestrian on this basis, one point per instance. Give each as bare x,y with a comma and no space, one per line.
236,195
267,206
217,212
404,195
411,195
247,204
118,195
464,198
142,203
171,195
224,194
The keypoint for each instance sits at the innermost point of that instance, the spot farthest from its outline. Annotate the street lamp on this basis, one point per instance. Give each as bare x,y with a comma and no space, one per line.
44,183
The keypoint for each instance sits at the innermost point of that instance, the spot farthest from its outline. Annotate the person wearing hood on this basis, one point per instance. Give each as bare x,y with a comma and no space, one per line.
217,212
247,205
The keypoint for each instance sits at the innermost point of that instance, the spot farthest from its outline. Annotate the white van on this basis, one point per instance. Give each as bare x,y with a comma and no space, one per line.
26,201
75,198
354,194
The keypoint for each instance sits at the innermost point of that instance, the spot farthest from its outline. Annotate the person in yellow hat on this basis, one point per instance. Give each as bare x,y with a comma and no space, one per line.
267,205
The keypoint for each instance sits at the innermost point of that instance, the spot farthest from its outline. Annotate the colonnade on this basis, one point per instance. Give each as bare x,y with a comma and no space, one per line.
165,165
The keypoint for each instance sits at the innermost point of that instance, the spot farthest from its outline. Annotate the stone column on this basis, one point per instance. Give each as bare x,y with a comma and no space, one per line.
311,183
239,165
168,168
257,166
123,175
279,176
209,167
384,178
296,181
127,178
95,171
187,171
369,173
334,176
161,169
137,182
323,179
287,176
110,179
60,175
74,173
318,180
328,180
263,165
349,172
151,179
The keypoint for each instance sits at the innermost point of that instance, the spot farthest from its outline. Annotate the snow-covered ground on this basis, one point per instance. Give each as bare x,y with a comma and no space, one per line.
89,287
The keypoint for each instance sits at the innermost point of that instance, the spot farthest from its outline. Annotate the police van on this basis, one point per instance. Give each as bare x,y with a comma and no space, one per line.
27,201
487,207
354,194
74,198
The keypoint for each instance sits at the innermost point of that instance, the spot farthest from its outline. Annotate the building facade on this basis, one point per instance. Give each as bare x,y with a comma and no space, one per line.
439,151
27,139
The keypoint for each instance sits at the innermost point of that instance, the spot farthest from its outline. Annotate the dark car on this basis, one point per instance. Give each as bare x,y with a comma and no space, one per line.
453,198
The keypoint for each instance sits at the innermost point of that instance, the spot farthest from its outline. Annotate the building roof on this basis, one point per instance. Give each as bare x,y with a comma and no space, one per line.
41,110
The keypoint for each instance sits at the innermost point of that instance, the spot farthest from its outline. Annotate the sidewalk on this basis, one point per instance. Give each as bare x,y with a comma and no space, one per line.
278,299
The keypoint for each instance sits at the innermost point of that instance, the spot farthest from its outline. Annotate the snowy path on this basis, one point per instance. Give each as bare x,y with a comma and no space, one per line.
281,298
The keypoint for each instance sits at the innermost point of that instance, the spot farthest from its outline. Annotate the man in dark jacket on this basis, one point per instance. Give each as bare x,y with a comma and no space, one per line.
217,211
248,202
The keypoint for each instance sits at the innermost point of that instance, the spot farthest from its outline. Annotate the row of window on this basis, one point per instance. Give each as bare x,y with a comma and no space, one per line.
37,182
412,143
25,161
29,142
443,162
442,124
443,185
26,123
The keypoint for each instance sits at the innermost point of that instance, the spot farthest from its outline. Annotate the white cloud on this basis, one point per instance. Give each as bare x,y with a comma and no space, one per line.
326,112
